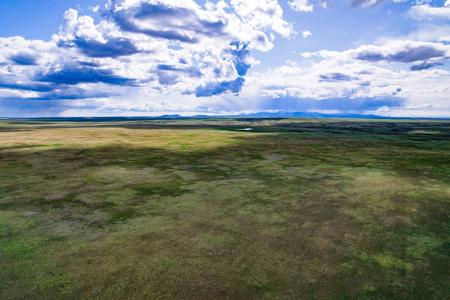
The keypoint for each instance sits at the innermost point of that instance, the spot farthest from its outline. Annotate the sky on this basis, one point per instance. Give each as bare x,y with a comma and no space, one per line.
155,57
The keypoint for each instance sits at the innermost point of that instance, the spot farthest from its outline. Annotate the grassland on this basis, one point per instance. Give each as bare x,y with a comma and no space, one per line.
292,209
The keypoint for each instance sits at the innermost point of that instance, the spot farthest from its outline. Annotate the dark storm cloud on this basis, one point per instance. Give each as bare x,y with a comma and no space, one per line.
169,74
167,22
71,75
191,71
73,94
34,87
112,48
406,55
424,66
336,77
23,59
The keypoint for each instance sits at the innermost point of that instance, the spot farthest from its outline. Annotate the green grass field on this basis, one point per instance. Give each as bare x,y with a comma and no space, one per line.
202,209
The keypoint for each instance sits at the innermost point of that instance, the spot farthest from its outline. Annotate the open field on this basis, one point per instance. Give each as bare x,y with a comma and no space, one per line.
201,209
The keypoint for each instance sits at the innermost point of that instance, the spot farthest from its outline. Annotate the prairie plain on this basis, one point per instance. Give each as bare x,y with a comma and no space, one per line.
225,209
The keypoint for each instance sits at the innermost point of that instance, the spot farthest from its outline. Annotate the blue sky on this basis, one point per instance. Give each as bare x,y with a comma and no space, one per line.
153,57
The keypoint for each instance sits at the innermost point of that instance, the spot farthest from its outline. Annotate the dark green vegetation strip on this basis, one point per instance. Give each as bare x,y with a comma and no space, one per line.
164,209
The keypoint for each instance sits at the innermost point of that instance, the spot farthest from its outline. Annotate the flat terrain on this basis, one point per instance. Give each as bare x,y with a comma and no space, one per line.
213,209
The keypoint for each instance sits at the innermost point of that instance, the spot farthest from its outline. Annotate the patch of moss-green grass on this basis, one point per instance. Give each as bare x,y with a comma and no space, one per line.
165,189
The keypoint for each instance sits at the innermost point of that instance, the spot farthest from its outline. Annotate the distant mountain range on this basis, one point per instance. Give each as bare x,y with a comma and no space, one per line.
258,115
271,115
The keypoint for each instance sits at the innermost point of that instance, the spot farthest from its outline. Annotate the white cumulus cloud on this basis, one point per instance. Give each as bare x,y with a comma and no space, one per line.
301,5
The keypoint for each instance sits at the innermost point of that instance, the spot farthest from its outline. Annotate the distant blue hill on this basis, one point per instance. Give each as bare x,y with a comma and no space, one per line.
258,115
282,114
